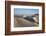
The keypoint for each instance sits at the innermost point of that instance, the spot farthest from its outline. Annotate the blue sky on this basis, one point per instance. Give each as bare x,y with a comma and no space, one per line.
25,11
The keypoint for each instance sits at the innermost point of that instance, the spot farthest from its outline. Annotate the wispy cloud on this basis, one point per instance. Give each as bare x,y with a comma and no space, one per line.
25,11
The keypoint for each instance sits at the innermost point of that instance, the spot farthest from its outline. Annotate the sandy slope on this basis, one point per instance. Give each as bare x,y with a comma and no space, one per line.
20,22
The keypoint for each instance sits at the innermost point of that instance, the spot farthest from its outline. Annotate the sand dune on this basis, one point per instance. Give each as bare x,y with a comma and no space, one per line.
20,22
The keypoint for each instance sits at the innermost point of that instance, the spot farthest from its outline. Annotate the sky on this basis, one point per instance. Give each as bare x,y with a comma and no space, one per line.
27,11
